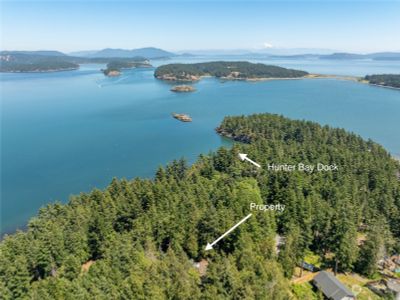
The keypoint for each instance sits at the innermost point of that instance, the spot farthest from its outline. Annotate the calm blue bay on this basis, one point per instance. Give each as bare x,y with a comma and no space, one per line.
68,132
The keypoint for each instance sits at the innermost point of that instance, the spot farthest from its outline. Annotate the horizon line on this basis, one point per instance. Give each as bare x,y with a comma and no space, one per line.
250,50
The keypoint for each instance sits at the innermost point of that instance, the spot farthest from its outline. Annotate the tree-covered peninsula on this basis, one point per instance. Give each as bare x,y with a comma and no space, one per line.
388,80
146,238
238,70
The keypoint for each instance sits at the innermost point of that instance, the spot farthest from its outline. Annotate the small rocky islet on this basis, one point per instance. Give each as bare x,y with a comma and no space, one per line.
182,117
183,88
112,73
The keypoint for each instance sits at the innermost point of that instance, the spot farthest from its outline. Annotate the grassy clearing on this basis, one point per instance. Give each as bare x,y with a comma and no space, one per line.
357,284
305,291
313,259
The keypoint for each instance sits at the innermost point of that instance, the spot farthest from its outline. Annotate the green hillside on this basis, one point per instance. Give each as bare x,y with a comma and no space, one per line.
224,69
20,61
140,239
118,65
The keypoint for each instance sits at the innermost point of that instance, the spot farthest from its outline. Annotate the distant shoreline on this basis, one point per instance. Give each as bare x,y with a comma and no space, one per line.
316,76
357,79
383,86
42,71
310,76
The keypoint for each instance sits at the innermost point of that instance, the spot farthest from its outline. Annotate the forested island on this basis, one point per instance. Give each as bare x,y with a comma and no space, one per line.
115,67
387,80
145,238
38,67
50,61
229,70
27,63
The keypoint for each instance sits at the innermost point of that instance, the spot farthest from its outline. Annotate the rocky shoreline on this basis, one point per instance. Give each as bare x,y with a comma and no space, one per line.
184,78
383,86
235,76
113,73
237,138
114,68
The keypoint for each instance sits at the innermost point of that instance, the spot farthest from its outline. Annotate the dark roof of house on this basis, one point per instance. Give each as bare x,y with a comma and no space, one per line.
331,286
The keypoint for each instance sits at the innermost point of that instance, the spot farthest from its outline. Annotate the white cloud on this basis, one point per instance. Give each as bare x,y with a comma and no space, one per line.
267,45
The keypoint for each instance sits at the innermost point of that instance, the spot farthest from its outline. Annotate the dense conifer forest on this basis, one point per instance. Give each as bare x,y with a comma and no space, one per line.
225,69
48,61
141,238
46,65
118,65
390,80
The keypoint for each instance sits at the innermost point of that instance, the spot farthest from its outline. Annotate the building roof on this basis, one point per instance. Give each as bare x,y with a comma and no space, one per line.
331,286
393,285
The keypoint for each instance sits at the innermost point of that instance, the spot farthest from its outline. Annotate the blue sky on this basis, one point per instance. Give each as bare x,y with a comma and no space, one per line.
358,26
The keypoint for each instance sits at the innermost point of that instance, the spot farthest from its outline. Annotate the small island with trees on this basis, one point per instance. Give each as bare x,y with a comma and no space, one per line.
114,67
385,80
228,70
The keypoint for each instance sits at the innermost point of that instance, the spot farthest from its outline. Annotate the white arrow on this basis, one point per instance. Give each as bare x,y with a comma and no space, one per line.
243,156
210,246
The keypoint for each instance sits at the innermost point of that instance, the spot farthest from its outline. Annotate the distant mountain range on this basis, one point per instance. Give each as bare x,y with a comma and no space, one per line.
154,53
149,52
49,60
374,56
264,52
332,56
293,53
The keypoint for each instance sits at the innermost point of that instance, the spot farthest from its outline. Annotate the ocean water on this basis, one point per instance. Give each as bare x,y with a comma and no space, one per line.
68,132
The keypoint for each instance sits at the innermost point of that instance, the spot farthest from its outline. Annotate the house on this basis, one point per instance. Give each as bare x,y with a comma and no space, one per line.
331,287
394,288
201,266
386,288
279,242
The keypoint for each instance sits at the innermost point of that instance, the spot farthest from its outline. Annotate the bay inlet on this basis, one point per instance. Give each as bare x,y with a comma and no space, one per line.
69,132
